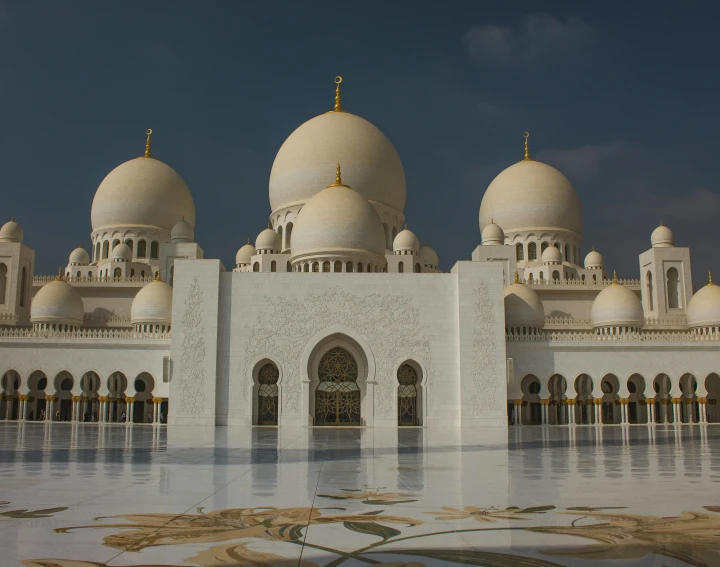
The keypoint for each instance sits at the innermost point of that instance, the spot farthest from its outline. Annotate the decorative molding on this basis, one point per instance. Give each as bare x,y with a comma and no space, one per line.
192,371
591,337
39,279
484,382
390,324
119,334
578,284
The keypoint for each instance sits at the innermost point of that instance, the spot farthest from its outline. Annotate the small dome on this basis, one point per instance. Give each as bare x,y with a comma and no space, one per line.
594,260
552,255
57,302
268,240
79,257
338,221
142,192
406,241
152,304
523,307
617,306
182,232
704,307
492,234
11,232
121,253
245,254
662,237
429,256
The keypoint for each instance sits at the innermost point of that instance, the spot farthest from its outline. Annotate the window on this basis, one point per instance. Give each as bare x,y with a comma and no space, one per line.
280,237
417,268
532,251
316,267
288,235
650,290
534,388
543,247
23,287
673,288
556,275
78,275
3,283
288,267
401,267
132,273
154,250
519,252
115,243
542,276
567,254
359,267
256,267
583,277
307,267
129,243
338,266
142,249
349,267
273,266
326,266
97,251
117,273
105,249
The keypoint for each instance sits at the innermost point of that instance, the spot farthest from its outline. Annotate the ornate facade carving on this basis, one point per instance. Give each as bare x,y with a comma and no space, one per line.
390,324
192,371
485,389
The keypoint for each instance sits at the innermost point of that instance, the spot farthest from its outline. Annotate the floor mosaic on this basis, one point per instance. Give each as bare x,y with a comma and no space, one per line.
83,495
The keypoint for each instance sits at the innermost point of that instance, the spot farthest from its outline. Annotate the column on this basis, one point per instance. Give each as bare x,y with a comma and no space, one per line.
129,409
49,414
571,411
101,412
703,409
544,404
677,410
598,411
623,411
690,410
8,407
664,410
517,409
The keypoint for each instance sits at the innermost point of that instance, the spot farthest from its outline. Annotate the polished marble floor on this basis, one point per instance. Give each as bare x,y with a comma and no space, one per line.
82,495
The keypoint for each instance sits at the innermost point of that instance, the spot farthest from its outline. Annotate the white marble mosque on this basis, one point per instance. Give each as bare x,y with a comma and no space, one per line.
338,316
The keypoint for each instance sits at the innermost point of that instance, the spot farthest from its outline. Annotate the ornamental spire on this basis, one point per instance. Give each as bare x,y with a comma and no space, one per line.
157,276
517,278
147,142
338,104
710,282
59,277
338,175
614,277
527,157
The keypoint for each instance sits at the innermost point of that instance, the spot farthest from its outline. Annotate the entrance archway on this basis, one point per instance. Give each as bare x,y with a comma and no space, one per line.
337,396
267,408
408,395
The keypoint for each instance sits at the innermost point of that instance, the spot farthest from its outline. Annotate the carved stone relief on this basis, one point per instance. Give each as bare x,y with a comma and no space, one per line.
485,389
192,360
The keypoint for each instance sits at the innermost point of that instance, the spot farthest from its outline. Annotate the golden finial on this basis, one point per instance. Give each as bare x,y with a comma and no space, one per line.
710,282
526,135
405,226
338,105
338,175
517,278
248,242
147,142
59,277
614,277
157,276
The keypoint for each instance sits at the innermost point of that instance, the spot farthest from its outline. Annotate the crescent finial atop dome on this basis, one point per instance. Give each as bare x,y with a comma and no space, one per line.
527,157
158,278
614,277
59,277
710,282
338,104
147,142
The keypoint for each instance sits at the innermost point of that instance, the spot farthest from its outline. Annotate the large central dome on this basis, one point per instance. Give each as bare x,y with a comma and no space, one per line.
371,166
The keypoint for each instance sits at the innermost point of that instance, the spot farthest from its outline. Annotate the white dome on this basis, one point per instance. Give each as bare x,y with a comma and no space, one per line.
142,192
269,240
492,234
429,256
79,256
662,237
551,255
370,163
531,195
617,306
245,254
406,241
122,252
182,232
594,260
704,307
11,232
338,221
523,307
152,304
57,302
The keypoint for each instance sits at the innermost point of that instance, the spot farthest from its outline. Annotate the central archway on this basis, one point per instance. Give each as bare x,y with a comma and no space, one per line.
337,396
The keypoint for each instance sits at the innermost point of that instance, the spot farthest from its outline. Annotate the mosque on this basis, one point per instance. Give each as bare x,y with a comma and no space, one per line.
337,316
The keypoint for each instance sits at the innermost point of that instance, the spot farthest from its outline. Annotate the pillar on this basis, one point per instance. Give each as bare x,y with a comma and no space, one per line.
49,408
597,402
544,405
677,410
129,409
703,409
623,411
690,410
8,407
517,412
571,411
664,409
101,412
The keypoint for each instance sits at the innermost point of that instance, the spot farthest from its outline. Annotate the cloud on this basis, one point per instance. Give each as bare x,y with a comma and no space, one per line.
539,37
584,162
487,110
696,207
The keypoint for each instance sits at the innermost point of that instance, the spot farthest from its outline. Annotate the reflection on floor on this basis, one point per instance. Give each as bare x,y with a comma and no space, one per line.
82,495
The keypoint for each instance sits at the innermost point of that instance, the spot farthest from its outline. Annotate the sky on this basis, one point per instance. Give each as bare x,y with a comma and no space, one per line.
620,96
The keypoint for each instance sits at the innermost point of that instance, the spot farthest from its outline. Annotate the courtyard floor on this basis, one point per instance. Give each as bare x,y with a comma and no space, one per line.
83,495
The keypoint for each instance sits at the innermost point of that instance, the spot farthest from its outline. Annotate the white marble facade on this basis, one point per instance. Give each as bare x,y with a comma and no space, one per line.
336,302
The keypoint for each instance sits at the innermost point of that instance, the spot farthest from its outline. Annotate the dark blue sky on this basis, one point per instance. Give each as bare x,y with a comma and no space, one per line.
622,97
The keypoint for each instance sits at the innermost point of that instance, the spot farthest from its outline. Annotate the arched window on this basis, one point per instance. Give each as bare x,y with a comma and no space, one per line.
130,243
97,251
556,275
407,395
105,249
154,246
256,267
117,273
115,243
288,235
172,275
3,283
288,267
348,266
532,251
280,236
673,287
542,276
326,266
23,287
316,267
78,276
359,266
567,254
583,277
273,266
594,278
89,276
557,245
519,252
268,376
401,267
417,268
543,247
338,266
307,267
142,249
132,273
337,396
650,289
